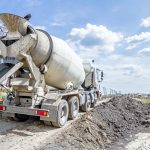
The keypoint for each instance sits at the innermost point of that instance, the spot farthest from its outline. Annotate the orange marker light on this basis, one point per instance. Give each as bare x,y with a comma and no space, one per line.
42,113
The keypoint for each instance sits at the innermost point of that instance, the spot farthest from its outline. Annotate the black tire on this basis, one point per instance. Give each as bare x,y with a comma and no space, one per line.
20,117
86,107
98,94
93,104
95,100
73,103
62,114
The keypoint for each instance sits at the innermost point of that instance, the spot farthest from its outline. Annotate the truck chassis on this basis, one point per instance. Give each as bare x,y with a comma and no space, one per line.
56,106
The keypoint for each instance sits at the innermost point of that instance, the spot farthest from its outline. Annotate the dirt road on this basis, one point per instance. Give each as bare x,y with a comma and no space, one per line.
141,142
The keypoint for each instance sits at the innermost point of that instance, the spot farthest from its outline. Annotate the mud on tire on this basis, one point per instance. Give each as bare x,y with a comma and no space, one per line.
73,103
87,105
62,115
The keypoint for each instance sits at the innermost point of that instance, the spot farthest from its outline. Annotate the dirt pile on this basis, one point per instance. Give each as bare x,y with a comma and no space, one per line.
104,125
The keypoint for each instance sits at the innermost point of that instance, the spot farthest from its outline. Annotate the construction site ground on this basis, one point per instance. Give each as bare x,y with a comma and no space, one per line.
114,124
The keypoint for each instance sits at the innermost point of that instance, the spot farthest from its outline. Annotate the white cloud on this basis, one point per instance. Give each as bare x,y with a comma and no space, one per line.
132,46
145,51
126,73
144,36
40,27
93,40
121,72
115,57
137,39
60,20
145,22
132,70
58,23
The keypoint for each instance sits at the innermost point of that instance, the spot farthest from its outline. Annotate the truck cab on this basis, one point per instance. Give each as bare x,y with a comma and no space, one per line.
93,77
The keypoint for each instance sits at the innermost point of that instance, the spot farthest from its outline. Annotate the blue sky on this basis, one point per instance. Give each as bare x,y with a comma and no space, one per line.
115,33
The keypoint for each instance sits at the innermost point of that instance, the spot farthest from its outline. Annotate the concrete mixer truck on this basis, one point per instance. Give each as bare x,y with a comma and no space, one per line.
45,77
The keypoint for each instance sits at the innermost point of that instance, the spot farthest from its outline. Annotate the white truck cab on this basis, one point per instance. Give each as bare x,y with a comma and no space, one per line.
93,76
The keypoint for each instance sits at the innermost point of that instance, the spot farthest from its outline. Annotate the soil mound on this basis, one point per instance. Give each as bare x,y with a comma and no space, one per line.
104,125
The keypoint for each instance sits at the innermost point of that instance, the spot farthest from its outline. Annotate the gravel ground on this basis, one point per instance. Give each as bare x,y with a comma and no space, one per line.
119,124
141,142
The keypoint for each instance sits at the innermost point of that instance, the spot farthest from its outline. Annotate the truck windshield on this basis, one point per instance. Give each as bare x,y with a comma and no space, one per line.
99,75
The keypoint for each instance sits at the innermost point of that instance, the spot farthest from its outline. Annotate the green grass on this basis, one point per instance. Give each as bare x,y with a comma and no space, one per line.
145,100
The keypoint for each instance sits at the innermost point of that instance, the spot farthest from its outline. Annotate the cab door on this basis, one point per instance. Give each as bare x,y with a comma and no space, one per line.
98,78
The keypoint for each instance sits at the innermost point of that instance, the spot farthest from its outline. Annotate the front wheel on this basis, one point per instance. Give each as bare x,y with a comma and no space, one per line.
62,114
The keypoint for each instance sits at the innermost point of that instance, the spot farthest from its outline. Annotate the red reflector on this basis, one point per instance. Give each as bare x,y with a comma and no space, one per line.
2,107
42,113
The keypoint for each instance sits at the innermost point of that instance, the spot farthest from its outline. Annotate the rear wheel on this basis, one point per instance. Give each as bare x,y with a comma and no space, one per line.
87,105
93,104
62,114
73,107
